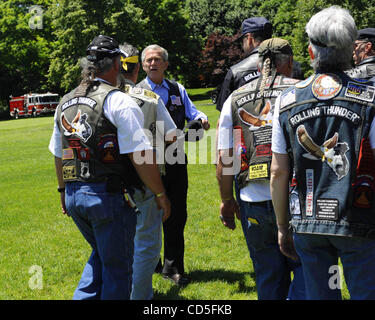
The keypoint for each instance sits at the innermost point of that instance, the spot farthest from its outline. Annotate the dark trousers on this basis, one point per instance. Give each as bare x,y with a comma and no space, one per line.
176,185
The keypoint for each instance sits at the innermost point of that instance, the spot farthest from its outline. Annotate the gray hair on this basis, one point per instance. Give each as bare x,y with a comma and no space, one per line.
332,33
129,49
91,69
164,53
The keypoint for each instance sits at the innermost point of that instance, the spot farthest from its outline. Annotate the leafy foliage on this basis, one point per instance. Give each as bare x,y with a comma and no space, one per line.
196,33
219,54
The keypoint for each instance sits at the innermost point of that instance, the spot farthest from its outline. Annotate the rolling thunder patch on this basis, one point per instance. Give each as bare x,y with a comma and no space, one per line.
325,111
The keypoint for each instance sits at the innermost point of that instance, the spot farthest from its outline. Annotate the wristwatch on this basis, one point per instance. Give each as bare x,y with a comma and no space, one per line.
61,189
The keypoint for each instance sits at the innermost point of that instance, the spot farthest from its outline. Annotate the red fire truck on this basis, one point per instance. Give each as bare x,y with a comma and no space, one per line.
33,104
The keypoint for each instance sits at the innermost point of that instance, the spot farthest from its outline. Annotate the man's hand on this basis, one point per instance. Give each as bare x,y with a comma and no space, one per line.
227,210
164,204
286,243
205,124
62,201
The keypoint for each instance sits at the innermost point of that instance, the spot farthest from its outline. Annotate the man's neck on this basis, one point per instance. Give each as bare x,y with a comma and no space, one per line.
157,81
130,81
112,79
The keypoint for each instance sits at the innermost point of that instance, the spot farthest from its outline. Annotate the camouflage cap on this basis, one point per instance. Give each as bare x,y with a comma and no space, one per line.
273,46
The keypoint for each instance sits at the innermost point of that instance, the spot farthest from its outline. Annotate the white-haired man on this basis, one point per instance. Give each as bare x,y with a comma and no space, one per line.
321,130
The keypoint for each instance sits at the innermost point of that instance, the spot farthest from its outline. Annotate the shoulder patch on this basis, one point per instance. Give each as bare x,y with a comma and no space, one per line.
252,75
326,86
150,94
136,90
140,93
288,98
360,91
305,83
289,81
250,86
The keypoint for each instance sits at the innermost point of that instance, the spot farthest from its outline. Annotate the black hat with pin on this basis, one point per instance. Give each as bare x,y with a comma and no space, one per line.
102,46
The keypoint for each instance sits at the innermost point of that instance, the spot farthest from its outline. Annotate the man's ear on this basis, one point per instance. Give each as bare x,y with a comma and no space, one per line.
137,68
368,48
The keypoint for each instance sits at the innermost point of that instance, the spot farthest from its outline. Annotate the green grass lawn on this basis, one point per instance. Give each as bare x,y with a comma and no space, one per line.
34,232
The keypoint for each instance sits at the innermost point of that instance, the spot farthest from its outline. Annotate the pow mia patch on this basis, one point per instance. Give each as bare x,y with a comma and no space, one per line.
326,86
360,91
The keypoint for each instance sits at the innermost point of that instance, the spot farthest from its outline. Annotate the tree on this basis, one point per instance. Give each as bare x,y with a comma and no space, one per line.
207,17
25,35
220,53
168,27
76,23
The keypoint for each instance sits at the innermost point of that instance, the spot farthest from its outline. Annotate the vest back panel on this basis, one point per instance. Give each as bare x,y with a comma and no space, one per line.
252,114
89,139
327,119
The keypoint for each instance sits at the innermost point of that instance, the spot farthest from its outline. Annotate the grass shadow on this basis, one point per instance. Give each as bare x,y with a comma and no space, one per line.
200,96
199,276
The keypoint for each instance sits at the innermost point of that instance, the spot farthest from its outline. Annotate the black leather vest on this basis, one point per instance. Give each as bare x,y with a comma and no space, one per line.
252,124
89,139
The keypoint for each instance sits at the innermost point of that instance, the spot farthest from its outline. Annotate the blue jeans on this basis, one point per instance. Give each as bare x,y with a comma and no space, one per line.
108,225
147,245
319,255
272,268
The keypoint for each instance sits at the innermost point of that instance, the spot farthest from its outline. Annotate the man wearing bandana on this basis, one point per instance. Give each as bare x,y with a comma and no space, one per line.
161,128
181,108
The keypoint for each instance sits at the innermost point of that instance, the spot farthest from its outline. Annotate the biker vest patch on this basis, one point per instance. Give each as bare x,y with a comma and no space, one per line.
332,152
326,86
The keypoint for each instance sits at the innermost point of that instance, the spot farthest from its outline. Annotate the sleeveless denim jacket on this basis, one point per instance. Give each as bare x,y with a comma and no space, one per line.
326,120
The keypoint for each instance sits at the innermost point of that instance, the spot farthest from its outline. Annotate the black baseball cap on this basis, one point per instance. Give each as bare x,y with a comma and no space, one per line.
366,34
255,24
102,46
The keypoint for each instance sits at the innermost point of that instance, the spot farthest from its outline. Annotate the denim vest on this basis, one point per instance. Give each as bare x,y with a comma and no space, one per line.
252,123
326,120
